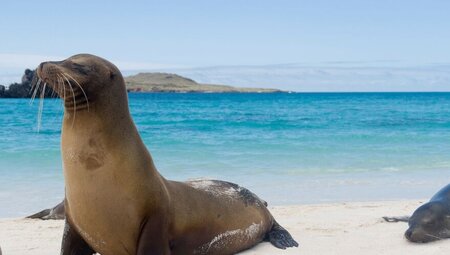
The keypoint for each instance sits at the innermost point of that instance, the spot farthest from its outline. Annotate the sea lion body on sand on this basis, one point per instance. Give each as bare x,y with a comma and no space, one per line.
117,202
431,221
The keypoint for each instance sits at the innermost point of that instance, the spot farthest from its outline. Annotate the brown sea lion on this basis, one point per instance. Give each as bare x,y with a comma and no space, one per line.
117,202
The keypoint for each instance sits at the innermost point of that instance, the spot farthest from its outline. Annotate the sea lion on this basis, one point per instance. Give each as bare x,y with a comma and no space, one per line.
431,221
116,201
55,213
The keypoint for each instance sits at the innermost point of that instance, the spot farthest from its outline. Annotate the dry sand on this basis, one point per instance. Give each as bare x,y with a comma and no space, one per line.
344,228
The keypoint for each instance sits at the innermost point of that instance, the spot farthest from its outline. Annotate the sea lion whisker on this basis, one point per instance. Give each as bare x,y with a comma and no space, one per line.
57,90
36,88
430,235
64,92
74,103
62,77
53,93
78,84
61,90
41,107
61,86
33,84
34,81
64,89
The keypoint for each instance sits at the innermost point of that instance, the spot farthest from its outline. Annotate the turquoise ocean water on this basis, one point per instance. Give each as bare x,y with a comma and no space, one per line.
287,148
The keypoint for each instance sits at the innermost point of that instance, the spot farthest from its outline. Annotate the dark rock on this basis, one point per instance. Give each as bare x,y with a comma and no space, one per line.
23,90
2,90
27,76
18,90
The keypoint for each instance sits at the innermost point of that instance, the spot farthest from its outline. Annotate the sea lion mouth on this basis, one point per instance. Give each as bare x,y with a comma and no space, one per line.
63,84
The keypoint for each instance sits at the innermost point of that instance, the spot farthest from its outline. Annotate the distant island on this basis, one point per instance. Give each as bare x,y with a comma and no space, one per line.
166,82
140,83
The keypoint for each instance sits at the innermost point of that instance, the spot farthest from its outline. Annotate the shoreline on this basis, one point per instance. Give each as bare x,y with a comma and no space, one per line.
327,228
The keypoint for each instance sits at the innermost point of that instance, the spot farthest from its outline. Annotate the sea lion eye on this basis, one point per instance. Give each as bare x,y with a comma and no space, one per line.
81,68
430,224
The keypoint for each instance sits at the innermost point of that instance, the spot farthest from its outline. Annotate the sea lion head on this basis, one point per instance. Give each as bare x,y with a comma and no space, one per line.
430,222
81,80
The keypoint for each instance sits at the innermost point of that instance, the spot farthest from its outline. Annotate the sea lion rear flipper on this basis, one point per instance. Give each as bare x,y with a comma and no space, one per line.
280,237
73,243
396,219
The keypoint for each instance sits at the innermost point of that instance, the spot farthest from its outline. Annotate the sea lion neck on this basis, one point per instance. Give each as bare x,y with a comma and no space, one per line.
103,133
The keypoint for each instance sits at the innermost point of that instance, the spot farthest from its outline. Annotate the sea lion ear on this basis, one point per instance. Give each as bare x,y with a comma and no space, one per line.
112,75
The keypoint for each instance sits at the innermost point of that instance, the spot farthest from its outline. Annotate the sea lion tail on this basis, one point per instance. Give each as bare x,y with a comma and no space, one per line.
280,237
396,219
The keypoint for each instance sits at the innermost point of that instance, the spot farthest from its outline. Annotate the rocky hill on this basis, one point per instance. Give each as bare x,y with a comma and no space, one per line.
166,82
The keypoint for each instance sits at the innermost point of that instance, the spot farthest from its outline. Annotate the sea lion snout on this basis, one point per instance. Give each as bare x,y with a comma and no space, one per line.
68,79
416,235
408,234
41,66
46,72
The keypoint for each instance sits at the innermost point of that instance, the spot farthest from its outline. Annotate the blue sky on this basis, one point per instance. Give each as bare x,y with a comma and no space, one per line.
174,35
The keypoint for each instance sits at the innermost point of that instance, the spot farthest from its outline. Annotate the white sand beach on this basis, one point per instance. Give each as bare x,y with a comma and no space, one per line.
340,228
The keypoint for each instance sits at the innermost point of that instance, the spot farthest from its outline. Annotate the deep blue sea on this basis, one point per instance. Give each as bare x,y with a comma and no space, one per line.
287,148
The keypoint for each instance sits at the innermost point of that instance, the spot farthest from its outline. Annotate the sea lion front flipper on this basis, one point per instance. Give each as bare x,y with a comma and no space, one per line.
280,237
153,242
73,243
